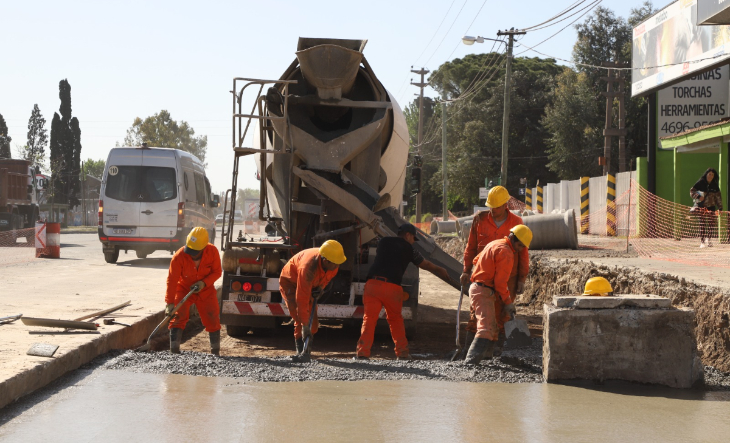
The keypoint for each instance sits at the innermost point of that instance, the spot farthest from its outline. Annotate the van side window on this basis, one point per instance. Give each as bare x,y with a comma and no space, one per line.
208,192
200,189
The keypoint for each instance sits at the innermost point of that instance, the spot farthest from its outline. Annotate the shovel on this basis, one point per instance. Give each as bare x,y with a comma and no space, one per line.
457,353
146,347
517,333
303,357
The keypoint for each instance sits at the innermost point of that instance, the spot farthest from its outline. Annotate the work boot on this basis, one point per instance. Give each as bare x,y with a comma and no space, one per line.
499,346
215,342
480,349
299,345
175,338
404,356
360,357
469,339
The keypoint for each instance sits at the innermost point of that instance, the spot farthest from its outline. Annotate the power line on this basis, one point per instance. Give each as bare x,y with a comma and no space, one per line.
447,32
571,7
566,17
566,26
435,32
467,29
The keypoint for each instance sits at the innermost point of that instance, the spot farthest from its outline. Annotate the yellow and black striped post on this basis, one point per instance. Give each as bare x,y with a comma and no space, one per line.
610,205
584,206
528,198
539,199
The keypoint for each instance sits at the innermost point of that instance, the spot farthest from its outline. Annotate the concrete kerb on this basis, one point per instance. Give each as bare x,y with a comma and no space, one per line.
42,374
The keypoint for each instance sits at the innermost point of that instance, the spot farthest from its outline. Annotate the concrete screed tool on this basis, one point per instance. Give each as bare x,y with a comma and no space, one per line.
455,355
146,347
517,333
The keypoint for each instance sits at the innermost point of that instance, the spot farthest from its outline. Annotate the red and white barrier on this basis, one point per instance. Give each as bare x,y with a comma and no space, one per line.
48,240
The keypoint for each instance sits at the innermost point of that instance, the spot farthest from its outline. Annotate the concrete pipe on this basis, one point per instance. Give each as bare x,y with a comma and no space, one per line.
443,227
553,231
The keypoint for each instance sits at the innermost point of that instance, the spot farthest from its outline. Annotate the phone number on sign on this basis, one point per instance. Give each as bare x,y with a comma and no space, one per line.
677,127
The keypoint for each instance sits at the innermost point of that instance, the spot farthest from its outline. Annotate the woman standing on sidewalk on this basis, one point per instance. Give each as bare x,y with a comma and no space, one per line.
708,199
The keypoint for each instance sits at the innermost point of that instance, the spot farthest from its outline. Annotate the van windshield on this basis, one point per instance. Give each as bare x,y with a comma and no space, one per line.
141,184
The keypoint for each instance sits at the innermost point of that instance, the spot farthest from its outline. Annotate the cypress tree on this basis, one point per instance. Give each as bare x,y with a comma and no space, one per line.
65,149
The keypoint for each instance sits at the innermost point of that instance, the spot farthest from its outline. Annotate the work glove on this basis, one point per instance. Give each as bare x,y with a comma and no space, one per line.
510,310
169,308
520,287
198,286
306,332
465,279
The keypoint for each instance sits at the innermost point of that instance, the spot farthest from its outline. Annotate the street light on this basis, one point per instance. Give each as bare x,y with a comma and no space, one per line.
469,40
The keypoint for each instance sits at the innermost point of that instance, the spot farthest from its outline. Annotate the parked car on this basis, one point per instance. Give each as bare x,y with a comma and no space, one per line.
218,219
150,199
238,216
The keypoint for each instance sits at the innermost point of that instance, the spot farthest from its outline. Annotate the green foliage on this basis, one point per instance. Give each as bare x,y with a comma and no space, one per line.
94,168
160,130
35,149
65,149
427,217
412,219
5,139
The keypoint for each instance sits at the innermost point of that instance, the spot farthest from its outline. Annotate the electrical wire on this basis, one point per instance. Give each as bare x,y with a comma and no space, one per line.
435,32
565,18
596,3
563,12
467,29
447,32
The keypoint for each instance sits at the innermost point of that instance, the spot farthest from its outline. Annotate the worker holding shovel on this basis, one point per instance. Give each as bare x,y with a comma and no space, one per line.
383,289
492,269
488,226
196,267
309,270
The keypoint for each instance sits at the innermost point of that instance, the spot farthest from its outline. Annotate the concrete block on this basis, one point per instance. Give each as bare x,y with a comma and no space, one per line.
655,346
628,300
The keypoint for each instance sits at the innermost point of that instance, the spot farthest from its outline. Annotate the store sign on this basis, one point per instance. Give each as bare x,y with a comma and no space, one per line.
713,12
701,100
669,47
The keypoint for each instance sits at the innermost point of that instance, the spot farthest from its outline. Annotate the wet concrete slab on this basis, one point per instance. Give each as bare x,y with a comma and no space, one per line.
120,406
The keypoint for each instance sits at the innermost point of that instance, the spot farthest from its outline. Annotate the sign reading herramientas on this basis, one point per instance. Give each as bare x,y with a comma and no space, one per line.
695,102
669,45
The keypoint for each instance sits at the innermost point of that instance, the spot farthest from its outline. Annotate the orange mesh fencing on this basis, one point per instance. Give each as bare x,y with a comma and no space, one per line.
17,246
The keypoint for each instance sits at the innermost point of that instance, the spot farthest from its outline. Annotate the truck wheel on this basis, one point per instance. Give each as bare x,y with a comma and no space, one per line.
141,254
112,256
237,331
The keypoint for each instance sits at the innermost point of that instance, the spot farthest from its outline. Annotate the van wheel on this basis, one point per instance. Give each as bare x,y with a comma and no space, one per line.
142,254
112,256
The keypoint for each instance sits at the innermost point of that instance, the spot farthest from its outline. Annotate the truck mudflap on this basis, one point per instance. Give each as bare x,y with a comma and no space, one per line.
280,310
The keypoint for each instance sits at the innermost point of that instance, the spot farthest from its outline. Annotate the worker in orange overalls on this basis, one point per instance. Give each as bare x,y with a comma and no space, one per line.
309,270
197,266
492,269
383,289
489,226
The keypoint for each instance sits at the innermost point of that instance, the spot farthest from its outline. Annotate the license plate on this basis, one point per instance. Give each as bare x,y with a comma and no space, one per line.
249,298
124,231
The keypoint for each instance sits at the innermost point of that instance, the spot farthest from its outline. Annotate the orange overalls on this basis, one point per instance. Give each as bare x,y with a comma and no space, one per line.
492,269
300,275
483,231
182,275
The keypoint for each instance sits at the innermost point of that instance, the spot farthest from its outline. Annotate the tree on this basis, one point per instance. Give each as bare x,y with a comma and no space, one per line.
35,149
94,168
5,139
162,131
241,197
65,149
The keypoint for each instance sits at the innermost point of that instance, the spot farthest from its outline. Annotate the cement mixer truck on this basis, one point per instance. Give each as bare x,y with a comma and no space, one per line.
331,148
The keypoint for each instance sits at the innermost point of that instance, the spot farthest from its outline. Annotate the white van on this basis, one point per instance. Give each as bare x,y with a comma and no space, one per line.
150,199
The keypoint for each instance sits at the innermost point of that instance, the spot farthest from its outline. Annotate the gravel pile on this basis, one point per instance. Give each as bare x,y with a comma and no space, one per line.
518,366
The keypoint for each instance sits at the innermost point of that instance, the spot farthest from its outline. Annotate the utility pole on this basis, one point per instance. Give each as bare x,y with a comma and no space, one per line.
505,116
422,72
609,132
443,158
83,194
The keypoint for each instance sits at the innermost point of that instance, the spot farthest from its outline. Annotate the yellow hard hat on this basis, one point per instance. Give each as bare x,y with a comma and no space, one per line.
598,286
332,251
497,196
523,234
197,240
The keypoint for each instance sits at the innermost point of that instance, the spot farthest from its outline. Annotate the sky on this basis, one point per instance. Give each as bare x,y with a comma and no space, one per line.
127,59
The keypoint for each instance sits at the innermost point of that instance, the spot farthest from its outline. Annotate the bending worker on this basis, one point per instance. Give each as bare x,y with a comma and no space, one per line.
309,270
488,226
492,268
196,266
383,289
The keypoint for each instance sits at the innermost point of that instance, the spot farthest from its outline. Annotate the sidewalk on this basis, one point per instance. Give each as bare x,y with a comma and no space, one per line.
78,283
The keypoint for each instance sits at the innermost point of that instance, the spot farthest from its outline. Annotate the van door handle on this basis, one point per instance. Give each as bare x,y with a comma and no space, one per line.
148,212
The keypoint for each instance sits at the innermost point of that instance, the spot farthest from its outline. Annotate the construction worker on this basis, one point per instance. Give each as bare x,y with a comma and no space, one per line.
598,286
492,269
488,226
383,289
309,270
195,266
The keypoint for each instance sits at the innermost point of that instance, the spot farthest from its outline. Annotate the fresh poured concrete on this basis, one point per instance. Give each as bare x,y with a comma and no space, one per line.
625,343
120,406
